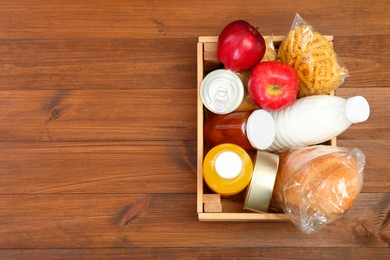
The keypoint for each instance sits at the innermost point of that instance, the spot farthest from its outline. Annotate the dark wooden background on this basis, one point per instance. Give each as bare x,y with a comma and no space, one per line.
98,129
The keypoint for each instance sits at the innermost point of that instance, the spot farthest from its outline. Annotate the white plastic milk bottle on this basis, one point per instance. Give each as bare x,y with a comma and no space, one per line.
316,119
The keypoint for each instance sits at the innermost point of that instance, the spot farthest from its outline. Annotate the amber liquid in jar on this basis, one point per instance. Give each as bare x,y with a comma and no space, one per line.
228,128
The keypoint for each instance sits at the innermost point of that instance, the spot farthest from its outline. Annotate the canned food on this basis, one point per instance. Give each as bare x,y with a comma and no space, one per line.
221,91
259,191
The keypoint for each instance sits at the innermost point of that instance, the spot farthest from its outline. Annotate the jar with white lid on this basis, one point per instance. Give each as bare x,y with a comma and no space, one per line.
227,169
250,130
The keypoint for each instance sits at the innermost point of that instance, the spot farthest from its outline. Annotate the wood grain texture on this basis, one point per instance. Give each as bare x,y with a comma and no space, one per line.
98,130
97,64
104,167
171,19
132,167
137,114
110,63
196,253
62,115
96,220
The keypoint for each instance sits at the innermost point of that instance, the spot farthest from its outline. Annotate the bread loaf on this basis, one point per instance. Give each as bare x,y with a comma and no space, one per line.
315,185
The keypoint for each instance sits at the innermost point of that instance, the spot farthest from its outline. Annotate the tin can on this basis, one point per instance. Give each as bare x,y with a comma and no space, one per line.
221,91
259,191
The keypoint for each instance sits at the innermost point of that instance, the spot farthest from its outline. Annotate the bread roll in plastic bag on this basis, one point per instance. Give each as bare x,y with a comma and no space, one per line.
314,59
318,184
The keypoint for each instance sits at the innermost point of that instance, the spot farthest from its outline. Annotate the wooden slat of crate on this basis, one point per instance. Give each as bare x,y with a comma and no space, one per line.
276,38
242,217
199,131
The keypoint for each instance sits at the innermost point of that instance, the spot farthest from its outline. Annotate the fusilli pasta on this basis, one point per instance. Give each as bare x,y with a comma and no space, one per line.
314,59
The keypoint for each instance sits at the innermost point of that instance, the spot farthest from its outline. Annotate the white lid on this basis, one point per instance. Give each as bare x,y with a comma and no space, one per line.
221,91
260,129
228,165
357,109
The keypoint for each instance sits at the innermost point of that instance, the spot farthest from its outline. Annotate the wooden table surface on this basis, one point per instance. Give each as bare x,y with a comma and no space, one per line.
98,130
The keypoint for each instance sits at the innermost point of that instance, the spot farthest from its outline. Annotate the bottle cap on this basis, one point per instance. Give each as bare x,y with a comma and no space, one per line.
357,109
228,165
260,129
259,191
221,91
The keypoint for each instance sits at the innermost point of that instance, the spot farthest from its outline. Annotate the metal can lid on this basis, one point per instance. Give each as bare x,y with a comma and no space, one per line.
259,191
221,91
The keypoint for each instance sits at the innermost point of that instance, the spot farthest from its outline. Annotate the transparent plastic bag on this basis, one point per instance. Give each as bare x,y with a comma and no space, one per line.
270,51
313,58
317,185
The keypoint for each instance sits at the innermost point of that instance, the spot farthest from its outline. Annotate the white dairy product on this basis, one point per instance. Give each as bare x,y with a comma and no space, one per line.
316,119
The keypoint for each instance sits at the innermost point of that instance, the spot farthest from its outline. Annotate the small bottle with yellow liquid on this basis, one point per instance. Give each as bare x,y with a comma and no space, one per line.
227,169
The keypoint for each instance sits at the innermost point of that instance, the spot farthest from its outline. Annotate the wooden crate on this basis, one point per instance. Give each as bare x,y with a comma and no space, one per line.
210,206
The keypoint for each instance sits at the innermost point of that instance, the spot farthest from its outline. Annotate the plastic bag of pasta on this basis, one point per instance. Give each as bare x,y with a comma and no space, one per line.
313,58
270,51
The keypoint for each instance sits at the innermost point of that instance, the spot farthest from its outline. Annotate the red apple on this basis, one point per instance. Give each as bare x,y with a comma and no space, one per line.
273,85
240,46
